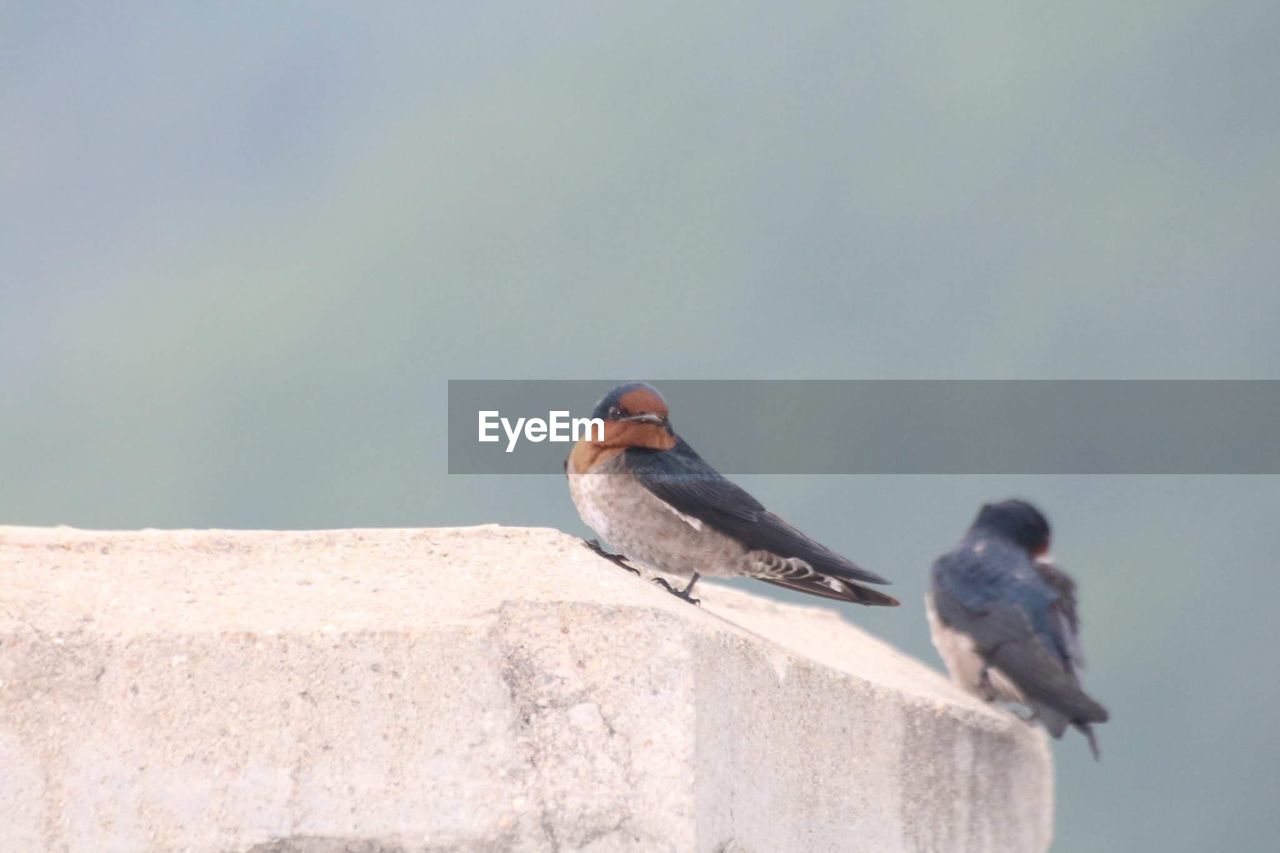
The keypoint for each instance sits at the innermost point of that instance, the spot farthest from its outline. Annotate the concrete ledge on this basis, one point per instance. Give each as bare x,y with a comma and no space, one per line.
467,689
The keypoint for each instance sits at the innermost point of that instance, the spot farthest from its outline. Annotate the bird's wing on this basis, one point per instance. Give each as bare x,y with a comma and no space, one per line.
1008,611
1066,612
685,481
848,591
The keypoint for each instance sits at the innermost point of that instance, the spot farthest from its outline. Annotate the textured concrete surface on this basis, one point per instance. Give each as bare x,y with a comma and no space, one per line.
467,689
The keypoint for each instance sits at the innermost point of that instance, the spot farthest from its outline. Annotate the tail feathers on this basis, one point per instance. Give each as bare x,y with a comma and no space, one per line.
1055,722
1084,725
1079,708
836,589
1086,729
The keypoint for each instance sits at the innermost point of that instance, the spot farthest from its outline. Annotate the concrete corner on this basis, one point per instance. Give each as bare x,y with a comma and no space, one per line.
467,689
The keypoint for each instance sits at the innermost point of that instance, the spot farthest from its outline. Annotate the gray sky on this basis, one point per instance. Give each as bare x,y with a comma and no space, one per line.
243,247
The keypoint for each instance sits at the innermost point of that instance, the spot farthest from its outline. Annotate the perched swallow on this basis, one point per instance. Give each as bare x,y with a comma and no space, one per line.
1004,620
646,491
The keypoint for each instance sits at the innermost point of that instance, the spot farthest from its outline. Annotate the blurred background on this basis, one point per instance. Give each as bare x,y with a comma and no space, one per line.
242,247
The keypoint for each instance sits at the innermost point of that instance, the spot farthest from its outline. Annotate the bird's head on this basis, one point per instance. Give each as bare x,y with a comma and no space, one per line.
1018,521
635,415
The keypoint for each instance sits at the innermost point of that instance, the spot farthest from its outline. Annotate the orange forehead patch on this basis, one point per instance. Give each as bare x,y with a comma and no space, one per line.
643,400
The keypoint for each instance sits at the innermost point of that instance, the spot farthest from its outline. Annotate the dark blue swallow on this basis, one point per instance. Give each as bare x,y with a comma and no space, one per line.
644,490
1004,619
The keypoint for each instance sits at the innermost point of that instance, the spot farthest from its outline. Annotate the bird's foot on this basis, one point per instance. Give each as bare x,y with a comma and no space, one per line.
684,594
985,686
617,559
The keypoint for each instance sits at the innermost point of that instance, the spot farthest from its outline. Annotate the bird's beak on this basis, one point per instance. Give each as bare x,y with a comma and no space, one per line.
645,418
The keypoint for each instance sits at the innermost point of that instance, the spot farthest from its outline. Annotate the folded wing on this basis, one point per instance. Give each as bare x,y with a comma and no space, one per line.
688,484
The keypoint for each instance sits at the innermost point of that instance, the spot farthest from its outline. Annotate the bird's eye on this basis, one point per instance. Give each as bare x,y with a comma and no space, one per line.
617,413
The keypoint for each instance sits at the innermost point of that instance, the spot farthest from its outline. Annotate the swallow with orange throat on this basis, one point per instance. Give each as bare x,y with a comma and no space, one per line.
644,490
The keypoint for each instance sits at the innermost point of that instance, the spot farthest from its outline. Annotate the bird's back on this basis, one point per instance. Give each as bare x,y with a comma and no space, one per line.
1019,621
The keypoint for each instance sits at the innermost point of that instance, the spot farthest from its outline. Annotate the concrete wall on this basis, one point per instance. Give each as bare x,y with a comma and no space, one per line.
467,689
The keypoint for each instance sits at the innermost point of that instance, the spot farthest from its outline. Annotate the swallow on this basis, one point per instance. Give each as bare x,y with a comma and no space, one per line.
644,490
1005,620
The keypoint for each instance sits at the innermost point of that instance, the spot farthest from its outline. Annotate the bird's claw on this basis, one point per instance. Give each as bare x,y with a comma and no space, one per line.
617,559
985,686
682,594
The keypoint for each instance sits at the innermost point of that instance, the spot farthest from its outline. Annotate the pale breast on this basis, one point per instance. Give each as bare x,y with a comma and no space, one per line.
596,500
650,531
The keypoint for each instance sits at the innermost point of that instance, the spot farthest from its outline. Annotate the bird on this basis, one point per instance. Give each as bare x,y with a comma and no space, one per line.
644,490
1006,622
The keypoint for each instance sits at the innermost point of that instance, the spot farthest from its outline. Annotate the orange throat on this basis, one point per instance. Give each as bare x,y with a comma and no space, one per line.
588,455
